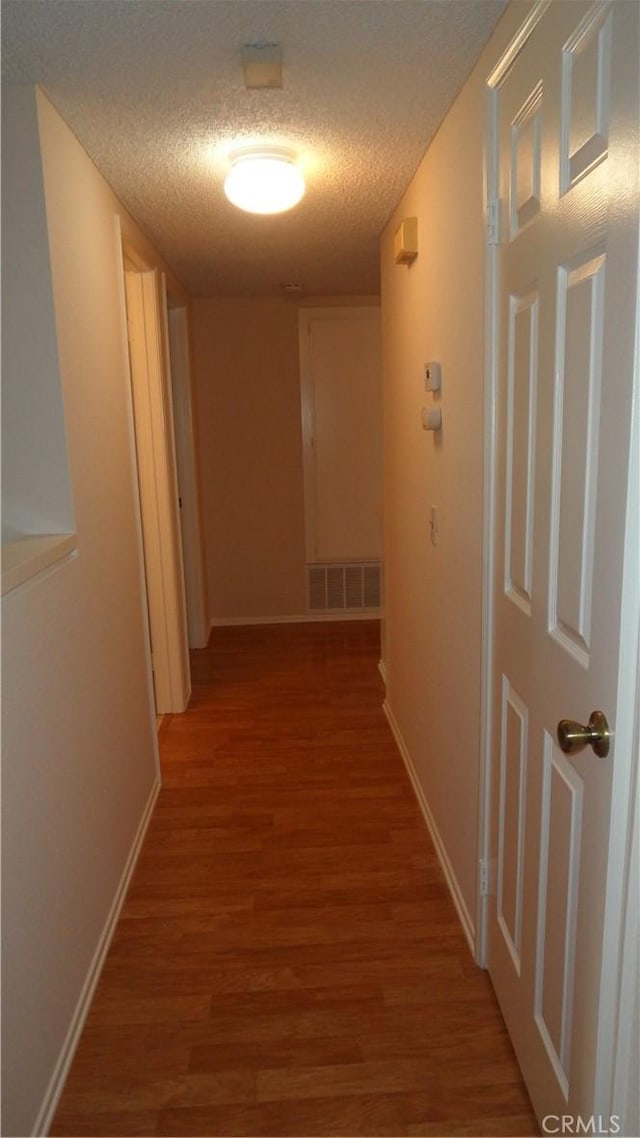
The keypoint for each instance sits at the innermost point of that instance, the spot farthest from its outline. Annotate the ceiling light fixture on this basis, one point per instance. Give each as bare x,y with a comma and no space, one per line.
264,179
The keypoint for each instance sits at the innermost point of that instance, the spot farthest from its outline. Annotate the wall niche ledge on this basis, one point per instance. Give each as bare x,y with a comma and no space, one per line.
25,557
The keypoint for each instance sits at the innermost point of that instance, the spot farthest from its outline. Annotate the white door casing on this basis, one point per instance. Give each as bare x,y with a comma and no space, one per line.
564,106
155,464
176,321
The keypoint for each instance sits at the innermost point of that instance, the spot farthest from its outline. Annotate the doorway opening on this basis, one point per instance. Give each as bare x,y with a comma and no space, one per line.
182,399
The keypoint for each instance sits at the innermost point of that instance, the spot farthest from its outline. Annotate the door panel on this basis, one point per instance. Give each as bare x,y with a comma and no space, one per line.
586,96
575,451
342,432
560,825
521,425
566,115
511,820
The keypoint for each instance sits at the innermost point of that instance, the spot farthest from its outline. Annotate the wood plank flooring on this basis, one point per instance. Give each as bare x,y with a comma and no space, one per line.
288,960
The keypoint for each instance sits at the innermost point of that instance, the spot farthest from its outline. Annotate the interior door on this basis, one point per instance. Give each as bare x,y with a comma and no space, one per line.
342,432
566,126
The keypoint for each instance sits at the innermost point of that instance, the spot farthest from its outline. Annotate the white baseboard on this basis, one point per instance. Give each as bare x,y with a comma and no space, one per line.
382,668
302,618
447,868
61,1070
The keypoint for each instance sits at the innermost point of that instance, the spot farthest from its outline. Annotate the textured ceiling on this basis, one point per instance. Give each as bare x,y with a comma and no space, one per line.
154,90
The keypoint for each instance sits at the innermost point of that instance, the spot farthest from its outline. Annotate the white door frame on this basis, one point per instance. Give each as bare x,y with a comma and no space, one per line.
155,466
176,329
621,910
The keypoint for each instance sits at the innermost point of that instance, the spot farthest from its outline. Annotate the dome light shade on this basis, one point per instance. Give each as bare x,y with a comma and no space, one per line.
264,180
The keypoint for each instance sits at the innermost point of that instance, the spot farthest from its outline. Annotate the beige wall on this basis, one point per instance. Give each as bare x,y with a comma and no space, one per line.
250,442
79,751
434,310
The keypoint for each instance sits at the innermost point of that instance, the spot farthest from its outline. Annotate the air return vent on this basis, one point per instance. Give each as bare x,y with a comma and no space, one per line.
342,588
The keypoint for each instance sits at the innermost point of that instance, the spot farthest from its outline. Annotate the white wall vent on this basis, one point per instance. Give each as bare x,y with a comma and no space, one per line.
342,588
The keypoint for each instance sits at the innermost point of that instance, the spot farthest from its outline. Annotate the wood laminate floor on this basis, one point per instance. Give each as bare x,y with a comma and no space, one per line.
288,960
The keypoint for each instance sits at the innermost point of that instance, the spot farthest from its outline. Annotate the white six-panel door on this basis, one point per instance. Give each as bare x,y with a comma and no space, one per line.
566,114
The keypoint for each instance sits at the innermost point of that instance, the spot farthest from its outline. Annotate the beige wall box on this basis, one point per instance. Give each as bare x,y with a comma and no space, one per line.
406,241
262,65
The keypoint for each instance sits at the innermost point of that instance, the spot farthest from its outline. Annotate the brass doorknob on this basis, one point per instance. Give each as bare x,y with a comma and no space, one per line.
573,737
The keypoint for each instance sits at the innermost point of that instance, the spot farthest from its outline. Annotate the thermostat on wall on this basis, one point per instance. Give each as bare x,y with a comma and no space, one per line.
432,376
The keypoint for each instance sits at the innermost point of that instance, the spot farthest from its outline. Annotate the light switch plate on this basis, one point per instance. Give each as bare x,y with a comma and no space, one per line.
432,376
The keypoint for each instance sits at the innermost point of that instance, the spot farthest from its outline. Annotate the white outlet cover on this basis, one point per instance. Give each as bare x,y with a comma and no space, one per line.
432,376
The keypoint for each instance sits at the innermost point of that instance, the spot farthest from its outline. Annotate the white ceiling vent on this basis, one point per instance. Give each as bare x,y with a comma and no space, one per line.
262,65
343,588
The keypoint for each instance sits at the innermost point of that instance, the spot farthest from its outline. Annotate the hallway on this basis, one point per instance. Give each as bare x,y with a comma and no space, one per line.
288,960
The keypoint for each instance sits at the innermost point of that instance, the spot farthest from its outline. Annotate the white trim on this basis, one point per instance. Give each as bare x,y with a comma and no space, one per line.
155,465
298,618
618,899
502,68
488,529
176,328
382,668
625,1099
117,225
146,485
443,858
164,469
72,1038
